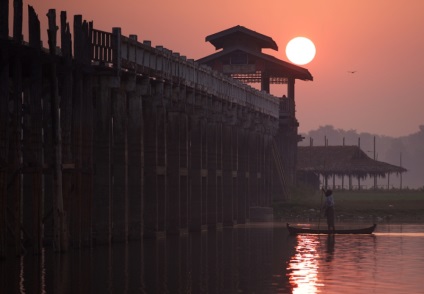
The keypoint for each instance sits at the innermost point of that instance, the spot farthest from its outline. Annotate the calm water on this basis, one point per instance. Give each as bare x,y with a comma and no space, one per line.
259,258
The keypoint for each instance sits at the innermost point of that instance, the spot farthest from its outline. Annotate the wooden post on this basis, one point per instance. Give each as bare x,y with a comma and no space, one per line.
135,162
173,168
227,175
375,177
36,143
184,163
212,175
4,117
161,173
102,157
219,190
86,137
152,171
120,165
60,237
4,20
243,167
16,146
400,164
66,117
78,93
195,199
116,45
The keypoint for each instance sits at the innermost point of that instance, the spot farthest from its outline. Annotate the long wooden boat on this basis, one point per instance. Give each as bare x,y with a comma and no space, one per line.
296,231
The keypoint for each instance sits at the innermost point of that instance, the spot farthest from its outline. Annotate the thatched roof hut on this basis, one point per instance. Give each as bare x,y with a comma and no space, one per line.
342,161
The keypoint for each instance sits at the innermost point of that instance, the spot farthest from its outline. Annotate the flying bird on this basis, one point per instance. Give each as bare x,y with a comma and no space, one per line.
351,71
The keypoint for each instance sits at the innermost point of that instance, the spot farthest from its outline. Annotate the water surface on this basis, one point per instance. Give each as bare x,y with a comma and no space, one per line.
256,258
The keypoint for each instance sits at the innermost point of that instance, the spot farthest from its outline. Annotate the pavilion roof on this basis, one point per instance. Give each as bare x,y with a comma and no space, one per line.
276,68
240,42
239,33
342,160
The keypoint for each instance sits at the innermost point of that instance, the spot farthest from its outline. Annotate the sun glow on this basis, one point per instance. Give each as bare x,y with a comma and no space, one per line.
300,50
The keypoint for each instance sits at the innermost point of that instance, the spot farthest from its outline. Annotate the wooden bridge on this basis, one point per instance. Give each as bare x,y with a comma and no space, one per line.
121,140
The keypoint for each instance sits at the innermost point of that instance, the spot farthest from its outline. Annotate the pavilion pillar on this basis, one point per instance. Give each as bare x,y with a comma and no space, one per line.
291,97
265,82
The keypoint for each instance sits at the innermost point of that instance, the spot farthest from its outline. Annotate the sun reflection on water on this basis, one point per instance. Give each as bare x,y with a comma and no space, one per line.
302,269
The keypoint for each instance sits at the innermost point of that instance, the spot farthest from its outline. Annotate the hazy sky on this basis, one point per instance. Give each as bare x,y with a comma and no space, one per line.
383,40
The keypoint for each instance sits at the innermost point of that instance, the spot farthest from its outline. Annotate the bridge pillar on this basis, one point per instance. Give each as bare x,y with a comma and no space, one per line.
268,168
261,169
102,197
243,167
219,188
229,175
120,165
212,147
173,173
154,160
196,181
87,161
235,136
184,188
135,162
150,225
253,168
4,137
161,172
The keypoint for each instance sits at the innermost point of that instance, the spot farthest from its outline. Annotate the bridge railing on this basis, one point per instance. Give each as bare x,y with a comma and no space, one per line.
127,54
102,49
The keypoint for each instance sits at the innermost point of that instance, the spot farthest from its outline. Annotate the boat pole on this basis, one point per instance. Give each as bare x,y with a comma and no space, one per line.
320,208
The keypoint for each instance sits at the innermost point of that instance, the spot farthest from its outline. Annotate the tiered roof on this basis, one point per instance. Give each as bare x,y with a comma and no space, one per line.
240,41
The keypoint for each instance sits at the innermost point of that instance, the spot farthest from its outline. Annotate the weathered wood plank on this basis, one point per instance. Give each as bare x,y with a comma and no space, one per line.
4,144
60,235
66,93
76,220
4,19
35,127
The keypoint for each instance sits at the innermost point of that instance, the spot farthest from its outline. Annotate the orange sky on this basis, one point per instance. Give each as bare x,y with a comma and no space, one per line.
383,40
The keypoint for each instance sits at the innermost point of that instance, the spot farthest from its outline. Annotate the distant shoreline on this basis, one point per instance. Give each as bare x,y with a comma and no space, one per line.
363,206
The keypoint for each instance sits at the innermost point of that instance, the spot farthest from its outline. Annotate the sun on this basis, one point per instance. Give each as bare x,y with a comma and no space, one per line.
300,50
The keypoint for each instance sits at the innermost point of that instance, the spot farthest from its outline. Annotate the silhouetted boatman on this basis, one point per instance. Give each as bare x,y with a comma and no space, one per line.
329,209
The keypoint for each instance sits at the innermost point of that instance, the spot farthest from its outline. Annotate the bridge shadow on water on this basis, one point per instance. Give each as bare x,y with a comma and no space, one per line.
253,258
246,259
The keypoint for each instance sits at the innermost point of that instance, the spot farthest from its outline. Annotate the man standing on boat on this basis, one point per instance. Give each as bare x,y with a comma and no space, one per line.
329,209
